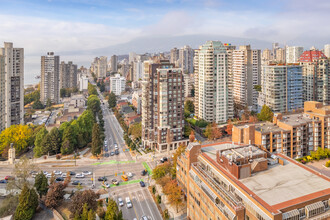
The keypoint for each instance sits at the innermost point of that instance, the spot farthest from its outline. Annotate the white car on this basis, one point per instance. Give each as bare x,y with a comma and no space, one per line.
120,202
45,172
106,185
57,172
86,172
80,175
128,203
63,175
130,175
48,175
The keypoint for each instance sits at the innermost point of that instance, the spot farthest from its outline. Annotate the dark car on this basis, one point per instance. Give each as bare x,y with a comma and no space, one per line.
116,152
142,184
143,172
72,173
76,182
106,155
163,160
106,149
102,178
59,179
3,181
112,153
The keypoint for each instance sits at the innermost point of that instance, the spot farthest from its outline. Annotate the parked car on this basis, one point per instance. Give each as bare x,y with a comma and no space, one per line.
144,218
63,175
57,172
116,151
163,160
128,203
130,175
144,172
45,172
120,202
106,185
102,178
106,149
59,179
86,173
112,153
48,175
115,182
3,181
76,182
142,184
80,175
72,173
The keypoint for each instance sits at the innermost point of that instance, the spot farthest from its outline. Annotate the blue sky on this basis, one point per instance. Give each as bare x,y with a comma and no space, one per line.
72,25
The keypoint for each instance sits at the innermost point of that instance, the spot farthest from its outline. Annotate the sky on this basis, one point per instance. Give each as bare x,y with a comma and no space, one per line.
64,26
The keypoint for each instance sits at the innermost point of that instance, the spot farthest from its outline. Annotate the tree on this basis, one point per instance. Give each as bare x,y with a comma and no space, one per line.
52,178
212,131
41,184
20,135
69,140
55,195
113,212
91,90
55,140
229,128
135,130
39,149
8,205
80,198
189,106
257,88
86,214
253,119
174,194
161,170
21,172
192,136
177,153
48,103
93,104
96,140
265,114
67,178
164,180
112,100
37,104
28,202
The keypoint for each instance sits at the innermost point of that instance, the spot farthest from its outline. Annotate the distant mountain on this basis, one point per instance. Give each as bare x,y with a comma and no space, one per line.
161,44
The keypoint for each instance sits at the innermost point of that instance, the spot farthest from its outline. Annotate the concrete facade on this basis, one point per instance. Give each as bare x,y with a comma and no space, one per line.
117,84
68,75
50,82
293,53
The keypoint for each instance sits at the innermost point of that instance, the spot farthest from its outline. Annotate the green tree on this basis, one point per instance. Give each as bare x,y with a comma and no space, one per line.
93,104
8,205
265,114
48,103
37,104
28,202
112,100
113,212
69,141
39,149
135,130
54,140
91,90
96,140
189,106
32,97
87,214
161,170
41,184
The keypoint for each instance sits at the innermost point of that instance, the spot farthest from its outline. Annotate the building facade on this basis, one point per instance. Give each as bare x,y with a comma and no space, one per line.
50,78
327,50
68,75
212,100
162,107
2,93
99,66
114,63
246,69
186,59
117,84
294,135
242,182
281,88
174,56
13,59
293,53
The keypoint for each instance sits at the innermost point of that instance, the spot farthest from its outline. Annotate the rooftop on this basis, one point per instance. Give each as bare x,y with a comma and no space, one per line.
296,119
212,150
281,183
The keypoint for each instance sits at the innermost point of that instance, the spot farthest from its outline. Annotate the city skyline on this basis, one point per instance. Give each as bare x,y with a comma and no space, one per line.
110,24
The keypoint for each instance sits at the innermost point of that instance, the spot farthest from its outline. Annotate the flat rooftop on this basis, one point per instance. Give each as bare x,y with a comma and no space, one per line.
280,183
296,119
267,127
211,151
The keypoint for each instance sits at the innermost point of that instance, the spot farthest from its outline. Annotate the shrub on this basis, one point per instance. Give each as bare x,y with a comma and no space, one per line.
58,156
45,157
303,161
327,164
153,189
166,215
159,199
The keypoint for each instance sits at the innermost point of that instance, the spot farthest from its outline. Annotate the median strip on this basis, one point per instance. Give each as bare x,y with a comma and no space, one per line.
114,162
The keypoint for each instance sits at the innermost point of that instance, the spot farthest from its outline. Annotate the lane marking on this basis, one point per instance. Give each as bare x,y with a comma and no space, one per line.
129,195
148,204
155,206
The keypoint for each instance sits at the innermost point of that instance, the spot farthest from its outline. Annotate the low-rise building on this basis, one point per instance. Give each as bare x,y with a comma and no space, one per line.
295,134
76,101
239,182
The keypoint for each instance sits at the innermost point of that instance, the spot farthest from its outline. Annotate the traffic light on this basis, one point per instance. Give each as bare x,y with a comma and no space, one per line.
115,174
123,172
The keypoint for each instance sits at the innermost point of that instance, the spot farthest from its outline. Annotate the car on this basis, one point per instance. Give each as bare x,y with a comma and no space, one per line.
57,172
143,172
86,173
163,160
3,181
124,177
120,202
59,179
9,178
63,175
128,203
117,152
80,175
45,172
142,184
48,175
33,175
102,178
106,149
115,182
106,155
144,218
106,185
72,173
130,175
33,172
112,153
76,182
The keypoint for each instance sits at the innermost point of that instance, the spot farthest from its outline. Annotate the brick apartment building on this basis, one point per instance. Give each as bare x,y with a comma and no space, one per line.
242,182
294,135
